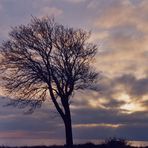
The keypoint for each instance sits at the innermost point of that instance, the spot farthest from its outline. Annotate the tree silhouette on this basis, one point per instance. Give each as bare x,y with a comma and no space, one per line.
45,60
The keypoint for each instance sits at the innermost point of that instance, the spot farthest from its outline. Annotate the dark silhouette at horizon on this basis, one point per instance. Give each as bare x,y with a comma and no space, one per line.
110,143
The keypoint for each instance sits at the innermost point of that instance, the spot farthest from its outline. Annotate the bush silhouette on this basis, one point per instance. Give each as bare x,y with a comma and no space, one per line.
116,143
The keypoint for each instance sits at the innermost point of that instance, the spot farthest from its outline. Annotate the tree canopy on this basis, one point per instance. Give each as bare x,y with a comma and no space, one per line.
45,60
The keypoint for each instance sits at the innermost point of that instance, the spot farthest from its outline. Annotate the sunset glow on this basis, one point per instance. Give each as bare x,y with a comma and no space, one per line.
132,107
96,125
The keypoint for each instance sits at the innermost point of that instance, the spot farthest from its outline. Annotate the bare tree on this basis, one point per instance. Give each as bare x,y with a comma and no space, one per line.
45,60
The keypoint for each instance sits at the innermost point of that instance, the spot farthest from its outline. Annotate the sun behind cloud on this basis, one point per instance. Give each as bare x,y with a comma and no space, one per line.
130,105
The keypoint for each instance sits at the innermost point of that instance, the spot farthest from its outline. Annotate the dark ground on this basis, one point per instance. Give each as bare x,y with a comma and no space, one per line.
78,146
111,143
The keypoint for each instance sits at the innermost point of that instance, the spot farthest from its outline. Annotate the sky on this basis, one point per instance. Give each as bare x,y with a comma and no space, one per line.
120,107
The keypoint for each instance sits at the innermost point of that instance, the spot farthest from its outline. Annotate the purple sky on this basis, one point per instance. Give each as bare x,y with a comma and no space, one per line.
120,29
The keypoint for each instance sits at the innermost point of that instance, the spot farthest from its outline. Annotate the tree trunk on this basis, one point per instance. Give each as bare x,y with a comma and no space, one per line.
68,127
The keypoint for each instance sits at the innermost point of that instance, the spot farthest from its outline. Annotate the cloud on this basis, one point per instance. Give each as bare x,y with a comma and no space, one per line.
122,39
119,50
50,11
111,17
124,92
135,87
99,36
96,121
74,1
